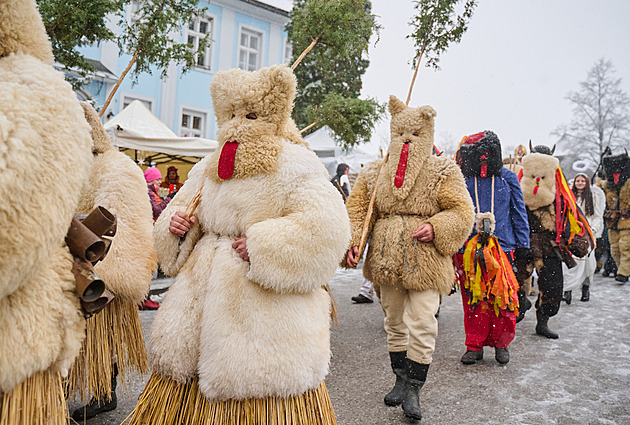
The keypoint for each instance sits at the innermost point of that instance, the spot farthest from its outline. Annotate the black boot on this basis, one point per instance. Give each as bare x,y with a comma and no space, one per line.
97,406
502,355
416,376
471,357
541,326
621,279
397,394
586,293
567,297
524,304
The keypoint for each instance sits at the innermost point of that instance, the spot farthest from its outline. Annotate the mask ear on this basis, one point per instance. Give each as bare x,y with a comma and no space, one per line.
530,146
427,111
553,149
396,105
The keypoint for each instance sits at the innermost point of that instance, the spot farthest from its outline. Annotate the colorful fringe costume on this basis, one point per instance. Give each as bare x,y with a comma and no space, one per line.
487,281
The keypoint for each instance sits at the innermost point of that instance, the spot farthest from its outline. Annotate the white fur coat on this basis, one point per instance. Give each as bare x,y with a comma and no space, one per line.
252,329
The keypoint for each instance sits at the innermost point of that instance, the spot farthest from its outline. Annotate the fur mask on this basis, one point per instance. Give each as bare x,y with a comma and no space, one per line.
539,180
481,155
411,144
22,31
253,111
617,170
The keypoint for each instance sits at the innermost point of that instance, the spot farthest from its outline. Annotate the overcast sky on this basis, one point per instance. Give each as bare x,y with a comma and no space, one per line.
512,70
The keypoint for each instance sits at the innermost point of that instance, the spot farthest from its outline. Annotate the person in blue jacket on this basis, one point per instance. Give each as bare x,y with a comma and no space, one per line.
497,195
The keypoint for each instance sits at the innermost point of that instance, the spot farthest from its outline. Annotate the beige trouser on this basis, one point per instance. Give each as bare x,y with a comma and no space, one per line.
410,321
620,250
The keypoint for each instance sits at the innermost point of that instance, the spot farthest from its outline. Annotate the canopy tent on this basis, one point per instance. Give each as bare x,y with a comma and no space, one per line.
135,127
323,143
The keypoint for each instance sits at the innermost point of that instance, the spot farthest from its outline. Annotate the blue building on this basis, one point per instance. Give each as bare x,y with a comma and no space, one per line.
246,34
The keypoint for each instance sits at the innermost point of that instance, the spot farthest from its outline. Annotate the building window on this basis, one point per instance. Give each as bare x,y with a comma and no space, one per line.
287,52
192,123
198,29
249,49
128,99
133,12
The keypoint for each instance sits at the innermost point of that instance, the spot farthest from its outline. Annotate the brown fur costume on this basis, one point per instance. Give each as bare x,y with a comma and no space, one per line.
117,184
617,189
433,191
44,151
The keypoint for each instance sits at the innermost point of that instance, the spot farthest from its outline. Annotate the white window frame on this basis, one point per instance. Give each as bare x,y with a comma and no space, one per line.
211,20
132,15
190,131
287,51
130,97
249,31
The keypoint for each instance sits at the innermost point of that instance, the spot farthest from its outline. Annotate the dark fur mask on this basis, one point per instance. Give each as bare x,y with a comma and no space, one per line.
617,170
480,155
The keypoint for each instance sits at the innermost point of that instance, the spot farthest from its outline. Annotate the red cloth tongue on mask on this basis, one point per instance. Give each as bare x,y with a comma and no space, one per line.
226,160
402,166
484,169
616,177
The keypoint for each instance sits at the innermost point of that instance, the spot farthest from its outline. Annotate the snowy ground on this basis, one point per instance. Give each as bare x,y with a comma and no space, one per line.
581,378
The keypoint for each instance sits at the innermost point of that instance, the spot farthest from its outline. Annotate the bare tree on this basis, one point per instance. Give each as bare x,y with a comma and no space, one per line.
601,114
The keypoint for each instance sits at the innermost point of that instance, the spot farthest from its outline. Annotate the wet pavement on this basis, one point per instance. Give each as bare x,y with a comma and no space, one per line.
581,378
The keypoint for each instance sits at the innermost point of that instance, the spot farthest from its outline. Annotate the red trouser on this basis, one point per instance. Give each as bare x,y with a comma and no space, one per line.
483,326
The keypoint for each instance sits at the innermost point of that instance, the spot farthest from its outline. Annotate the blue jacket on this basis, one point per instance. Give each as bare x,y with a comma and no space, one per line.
512,228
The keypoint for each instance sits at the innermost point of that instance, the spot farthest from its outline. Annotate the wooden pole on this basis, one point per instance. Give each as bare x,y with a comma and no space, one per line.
370,211
120,79
308,127
413,80
304,53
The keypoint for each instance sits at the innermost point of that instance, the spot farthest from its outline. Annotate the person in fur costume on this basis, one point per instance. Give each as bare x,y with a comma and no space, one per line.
42,135
554,221
490,291
617,189
243,334
422,214
114,343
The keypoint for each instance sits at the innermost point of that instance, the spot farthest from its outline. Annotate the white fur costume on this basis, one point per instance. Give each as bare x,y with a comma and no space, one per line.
260,328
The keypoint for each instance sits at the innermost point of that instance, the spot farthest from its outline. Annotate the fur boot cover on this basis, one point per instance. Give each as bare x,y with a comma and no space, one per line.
44,151
414,187
117,184
260,329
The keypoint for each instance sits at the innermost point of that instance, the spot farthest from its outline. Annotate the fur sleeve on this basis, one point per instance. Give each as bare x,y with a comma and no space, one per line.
451,226
119,187
359,200
299,251
172,251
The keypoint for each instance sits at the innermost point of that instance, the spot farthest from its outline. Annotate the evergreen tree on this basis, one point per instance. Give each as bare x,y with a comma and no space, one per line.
329,76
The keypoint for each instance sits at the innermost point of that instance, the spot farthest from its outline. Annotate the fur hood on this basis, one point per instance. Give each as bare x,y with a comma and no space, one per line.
617,170
253,111
411,144
539,180
22,31
481,155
